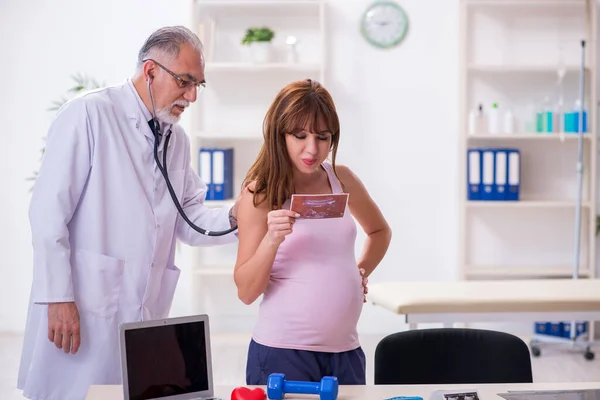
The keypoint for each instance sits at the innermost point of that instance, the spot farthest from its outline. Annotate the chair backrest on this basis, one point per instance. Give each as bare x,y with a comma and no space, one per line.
452,356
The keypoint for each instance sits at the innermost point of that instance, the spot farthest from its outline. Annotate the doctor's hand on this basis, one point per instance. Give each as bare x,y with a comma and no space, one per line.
280,224
63,326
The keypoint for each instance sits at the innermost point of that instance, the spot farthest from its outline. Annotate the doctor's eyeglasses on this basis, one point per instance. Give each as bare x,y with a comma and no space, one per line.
182,83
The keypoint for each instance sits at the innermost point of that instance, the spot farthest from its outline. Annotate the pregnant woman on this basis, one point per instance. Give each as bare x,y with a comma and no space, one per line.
305,268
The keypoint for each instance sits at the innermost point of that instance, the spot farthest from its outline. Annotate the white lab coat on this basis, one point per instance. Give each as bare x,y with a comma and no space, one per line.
104,230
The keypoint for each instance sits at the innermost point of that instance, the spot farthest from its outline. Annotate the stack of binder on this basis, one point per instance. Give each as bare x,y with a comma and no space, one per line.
215,167
560,329
493,174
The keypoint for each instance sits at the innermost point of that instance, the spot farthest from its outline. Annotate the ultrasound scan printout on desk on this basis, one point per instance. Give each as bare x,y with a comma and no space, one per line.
319,206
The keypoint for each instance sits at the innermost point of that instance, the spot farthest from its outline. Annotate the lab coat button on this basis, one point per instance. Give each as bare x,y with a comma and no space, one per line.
137,125
152,265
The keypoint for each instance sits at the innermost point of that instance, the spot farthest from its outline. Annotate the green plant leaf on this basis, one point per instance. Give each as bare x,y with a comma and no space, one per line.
263,34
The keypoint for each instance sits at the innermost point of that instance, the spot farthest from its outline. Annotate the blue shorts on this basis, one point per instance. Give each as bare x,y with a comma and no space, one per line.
302,365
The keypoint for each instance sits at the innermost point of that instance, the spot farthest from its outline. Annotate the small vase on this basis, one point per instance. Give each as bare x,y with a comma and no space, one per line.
261,52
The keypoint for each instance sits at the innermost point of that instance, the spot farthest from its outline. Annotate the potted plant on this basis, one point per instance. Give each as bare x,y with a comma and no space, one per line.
259,40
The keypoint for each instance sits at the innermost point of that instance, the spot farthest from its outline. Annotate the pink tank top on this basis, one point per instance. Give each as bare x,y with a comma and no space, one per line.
314,297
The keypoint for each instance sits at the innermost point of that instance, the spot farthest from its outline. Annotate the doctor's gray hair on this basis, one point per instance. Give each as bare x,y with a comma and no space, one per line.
168,41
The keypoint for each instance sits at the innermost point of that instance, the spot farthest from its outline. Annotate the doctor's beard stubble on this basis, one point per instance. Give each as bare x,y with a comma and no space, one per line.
165,114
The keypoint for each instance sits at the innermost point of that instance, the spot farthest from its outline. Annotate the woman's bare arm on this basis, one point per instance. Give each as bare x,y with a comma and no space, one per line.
260,233
368,215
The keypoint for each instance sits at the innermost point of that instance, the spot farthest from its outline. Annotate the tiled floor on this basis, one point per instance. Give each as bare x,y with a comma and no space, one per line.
229,357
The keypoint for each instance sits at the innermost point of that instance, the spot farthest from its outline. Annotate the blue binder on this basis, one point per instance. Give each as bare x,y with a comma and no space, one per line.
222,174
500,186
487,174
514,174
205,171
581,328
550,328
474,174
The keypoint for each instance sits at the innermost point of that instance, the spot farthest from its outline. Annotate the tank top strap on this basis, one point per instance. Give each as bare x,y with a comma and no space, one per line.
336,186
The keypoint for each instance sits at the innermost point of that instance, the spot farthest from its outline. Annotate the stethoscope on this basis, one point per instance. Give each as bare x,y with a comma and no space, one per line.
165,174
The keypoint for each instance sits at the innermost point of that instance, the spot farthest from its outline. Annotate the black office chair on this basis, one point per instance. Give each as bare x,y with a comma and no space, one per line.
451,356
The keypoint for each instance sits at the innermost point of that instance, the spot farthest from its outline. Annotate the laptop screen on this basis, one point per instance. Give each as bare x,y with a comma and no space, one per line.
166,360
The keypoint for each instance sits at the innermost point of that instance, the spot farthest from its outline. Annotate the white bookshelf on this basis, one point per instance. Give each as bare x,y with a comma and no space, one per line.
230,111
510,56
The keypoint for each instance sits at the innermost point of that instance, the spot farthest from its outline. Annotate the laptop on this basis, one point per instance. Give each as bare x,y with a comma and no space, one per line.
167,359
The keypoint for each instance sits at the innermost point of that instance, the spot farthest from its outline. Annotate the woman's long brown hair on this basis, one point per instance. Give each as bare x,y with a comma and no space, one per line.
298,105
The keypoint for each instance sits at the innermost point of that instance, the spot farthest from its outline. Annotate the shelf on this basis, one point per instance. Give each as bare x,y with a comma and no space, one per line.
538,69
271,67
523,271
525,204
528,136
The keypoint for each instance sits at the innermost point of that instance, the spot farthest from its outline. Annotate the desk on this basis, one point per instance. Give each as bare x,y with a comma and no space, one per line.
379,392
490,301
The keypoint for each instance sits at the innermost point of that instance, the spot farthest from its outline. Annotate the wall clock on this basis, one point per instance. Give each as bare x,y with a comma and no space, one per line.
384,24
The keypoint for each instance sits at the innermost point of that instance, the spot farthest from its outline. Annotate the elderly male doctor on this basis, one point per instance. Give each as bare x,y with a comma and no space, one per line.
104,226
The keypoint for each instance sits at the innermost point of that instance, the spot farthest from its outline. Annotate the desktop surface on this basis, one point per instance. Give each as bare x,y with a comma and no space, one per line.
379,392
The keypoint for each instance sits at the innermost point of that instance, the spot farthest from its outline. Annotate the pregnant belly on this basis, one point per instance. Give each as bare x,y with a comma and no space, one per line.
310,313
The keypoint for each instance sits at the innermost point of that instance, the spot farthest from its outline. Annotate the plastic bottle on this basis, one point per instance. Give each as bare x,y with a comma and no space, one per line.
569,126
509,122
472,122
547,116
481,120
539,119
530,119
494,120
477,121
576,116
558,119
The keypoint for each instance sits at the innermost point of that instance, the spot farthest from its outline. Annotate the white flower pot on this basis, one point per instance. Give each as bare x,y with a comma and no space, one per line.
261,52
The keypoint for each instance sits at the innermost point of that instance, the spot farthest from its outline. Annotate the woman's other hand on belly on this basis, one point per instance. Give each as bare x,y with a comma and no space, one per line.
365,281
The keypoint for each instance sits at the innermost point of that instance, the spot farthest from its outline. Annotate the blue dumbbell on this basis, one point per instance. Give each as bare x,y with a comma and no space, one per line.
277,387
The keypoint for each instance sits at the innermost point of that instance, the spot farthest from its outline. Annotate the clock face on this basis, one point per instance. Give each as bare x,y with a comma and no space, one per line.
384,24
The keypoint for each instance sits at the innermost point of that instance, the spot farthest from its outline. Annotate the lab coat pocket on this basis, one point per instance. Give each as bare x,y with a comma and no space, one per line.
97,281
167,291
